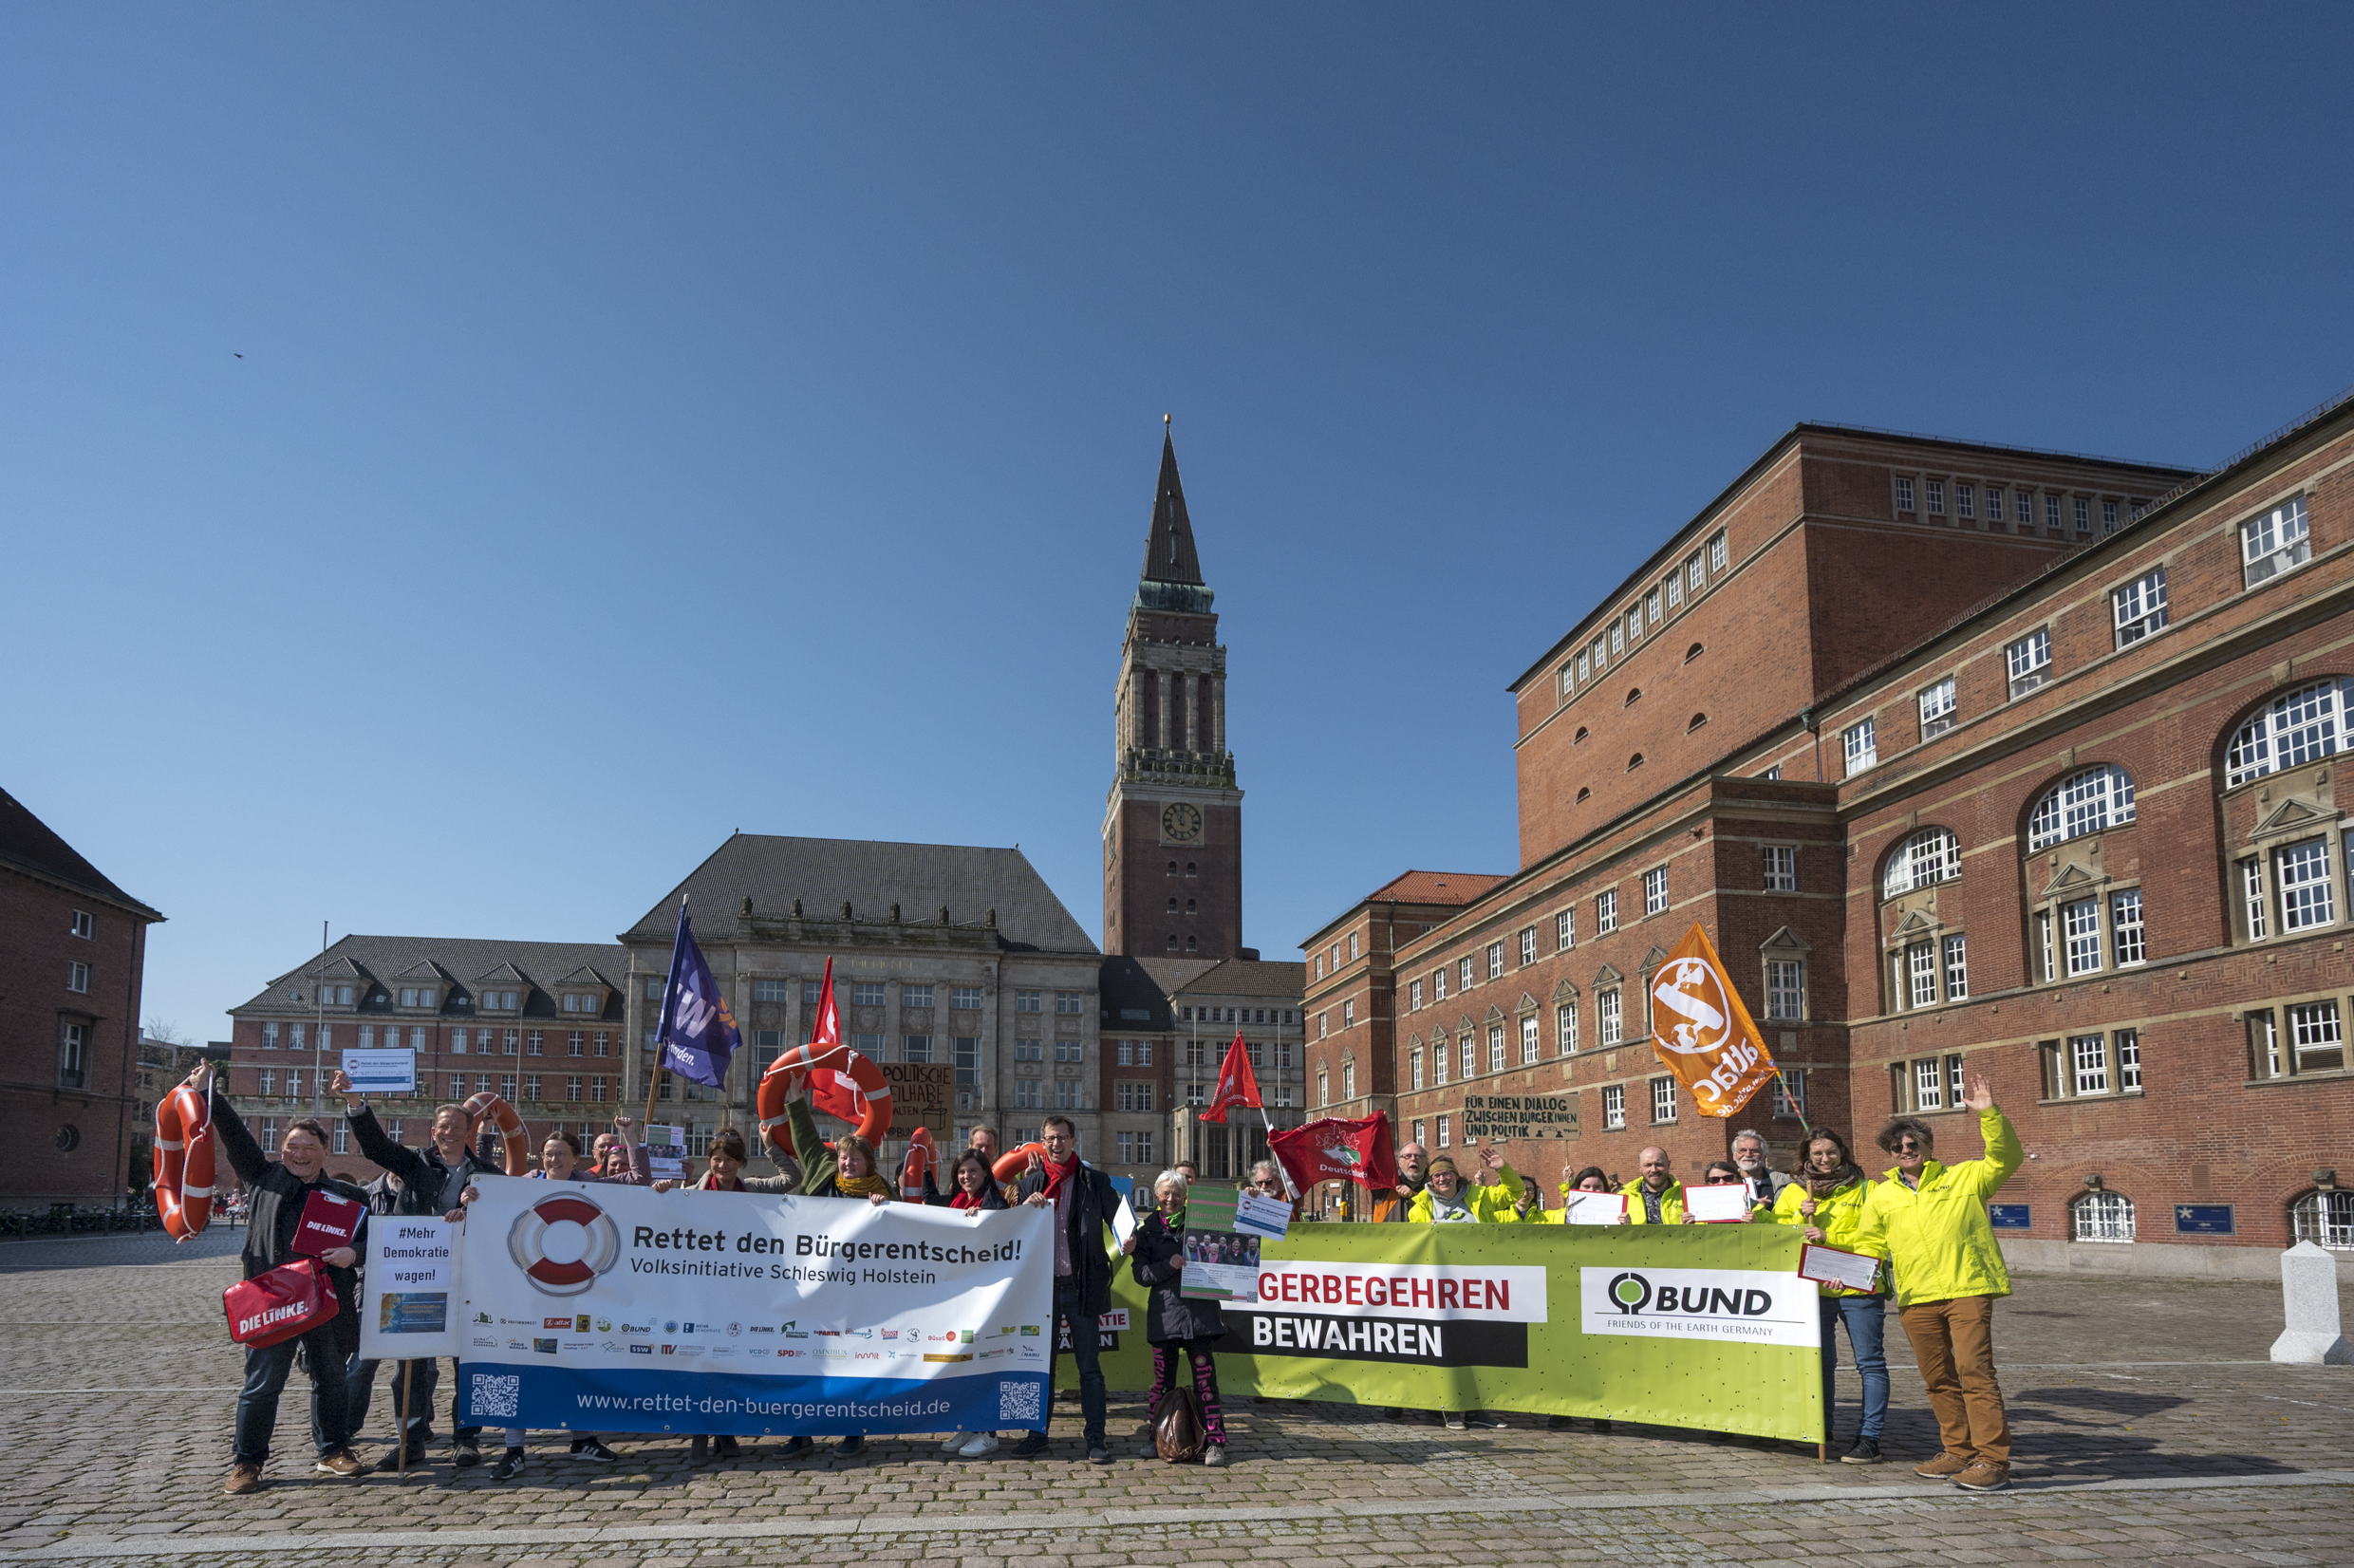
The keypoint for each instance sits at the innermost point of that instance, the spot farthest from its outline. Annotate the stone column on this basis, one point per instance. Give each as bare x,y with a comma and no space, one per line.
1218,715
1162,738
1194,711
2310,1303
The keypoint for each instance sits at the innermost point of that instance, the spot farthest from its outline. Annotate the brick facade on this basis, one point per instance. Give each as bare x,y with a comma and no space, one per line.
2159,1081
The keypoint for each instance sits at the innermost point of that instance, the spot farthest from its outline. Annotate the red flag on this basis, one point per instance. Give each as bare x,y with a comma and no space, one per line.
1237,1084
1330,1149
826,1029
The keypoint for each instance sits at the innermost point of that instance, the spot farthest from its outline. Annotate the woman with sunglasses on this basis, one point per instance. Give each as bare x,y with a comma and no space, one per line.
1826,1201
1931,1221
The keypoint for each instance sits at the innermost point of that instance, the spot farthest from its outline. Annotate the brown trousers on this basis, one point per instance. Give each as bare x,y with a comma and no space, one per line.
1954,1343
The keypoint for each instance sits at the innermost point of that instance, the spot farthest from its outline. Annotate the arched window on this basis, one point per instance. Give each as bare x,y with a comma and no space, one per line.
1697,720
1634,695
1189,943
1188,907
1584,795
2298,726
2324,1218
2101,1217
1580,736
1172,868
1693,652
1931,855
1172,945
1172,906
1191,869
1634,762
2087,802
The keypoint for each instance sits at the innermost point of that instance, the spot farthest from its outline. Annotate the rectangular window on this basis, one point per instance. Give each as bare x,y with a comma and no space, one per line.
1904,495
1128,1145
1565,1027
2316,1040
1128,1053
2080,925
1937,498
269,1037
1582,667
1413,1067
867,993
530,1087
1791,1092
1782,868
2273,543
964,999
1438,983
1615,1105
1528,947
2127,1047
1565,930
1994,504
1067,1002
915,995
509,1042
1920,963
301,1042
915,1047
1353,953
1532,1042
2264,1045
2251,896
2088,1064
1634,623
2108,516
458,1041
771,990
1495,961
1439,1052
572,1089
538,1043
1067,1095
81,925
1602,654
2301,872
1928,1084
1606,913
1462,975
1606,1008
1937,709
1026,1002
1957,969
1495,1048
1662,1101
77,977
1965,501
2029,662
507,1087
2051,514
1469,1054
1651,606
1861,745
1144,1149
1445,1131
1414,997
599,1090
1716,554
1785,988
1068,1050
268,1079
2140,608
2125,939
2083,515
1676,590
294,1085
576,1045
1655,890
1694,576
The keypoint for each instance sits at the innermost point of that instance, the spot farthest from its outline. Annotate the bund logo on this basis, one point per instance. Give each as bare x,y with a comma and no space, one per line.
563,1243
1629,1291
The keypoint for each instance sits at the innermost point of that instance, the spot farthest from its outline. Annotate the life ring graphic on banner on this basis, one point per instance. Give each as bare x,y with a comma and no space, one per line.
842,1084
562,1243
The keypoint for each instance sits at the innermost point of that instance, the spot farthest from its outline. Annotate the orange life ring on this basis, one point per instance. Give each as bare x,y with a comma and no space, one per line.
921,1158
1014,1161
511,1133
872,1091
183,1162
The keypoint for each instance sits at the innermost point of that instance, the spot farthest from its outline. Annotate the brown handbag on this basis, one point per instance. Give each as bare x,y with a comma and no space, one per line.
1177,1433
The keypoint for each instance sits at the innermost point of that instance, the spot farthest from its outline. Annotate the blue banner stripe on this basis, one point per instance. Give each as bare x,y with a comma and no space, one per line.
535,1395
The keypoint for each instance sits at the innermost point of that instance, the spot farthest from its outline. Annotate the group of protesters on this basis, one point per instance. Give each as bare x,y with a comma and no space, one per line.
1928,1221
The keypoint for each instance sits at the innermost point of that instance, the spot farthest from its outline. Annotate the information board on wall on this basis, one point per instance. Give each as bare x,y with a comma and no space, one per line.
1502,1118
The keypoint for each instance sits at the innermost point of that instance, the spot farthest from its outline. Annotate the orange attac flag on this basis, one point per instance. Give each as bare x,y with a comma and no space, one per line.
1703,1032
1237,1083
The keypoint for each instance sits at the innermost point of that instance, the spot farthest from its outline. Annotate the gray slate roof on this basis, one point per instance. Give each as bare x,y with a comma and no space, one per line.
824,873
539,964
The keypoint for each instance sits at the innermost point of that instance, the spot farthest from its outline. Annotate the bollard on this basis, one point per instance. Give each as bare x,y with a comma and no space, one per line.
2309,1302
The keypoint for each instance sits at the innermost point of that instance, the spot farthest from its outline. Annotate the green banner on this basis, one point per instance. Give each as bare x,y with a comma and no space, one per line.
1706,1326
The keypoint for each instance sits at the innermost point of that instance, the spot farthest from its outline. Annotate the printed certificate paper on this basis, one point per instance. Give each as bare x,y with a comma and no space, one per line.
1716,1205
1831,1266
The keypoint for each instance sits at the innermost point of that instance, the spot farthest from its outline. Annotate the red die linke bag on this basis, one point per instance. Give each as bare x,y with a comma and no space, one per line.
275,1307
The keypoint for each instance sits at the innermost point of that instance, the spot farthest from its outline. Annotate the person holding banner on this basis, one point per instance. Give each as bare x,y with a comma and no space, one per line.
1766,1182
433,1180
1446,1201
1931,1220
1654,1198
1173,1322
280,1191
1827,1198
1084,1202
1726,1174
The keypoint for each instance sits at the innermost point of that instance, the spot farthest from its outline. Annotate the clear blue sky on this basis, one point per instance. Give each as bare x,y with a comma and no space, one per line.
656,422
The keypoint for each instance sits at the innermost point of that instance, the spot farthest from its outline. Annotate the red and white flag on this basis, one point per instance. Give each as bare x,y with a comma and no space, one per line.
1237,1083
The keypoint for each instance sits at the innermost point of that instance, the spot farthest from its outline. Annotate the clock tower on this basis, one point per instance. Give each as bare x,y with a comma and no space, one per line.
1172,834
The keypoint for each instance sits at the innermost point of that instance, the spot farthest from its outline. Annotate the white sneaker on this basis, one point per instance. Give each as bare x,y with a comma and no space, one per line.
953,1442
981,1443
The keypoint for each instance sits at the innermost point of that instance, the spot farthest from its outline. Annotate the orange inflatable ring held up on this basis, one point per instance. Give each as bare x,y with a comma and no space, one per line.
511,1133
184,1163
1014,1161
805,1063
922,1157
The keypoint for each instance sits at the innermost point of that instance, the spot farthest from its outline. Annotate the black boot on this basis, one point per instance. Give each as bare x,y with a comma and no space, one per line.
724,1447
699,1450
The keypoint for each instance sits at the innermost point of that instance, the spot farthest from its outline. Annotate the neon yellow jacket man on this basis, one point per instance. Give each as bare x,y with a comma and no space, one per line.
1938,1239
1671,1204
1838,1216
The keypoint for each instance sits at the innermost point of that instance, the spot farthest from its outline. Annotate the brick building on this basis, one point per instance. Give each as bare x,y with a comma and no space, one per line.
73,953
2025,769
1175,1019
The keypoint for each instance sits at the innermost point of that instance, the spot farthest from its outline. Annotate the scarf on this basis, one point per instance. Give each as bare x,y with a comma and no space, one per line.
1412,1183
968,1200
1057,1174
860,1186
1820,1187
1450,1210
711,1183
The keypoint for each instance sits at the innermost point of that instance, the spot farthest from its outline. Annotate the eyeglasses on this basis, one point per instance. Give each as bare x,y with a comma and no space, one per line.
1906,1146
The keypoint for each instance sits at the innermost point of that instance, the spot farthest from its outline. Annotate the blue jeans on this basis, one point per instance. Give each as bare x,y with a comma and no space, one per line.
1865,1319
266,1369
1086,1345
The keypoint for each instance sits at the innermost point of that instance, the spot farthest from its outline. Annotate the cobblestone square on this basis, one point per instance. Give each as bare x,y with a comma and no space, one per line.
2151,1428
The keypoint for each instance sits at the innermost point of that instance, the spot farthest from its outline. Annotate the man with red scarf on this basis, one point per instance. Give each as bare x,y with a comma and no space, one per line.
1084,1202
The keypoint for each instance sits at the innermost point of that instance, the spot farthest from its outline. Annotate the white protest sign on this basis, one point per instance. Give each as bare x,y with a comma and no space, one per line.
1834,1266
382,1072
1716,1205
409,1290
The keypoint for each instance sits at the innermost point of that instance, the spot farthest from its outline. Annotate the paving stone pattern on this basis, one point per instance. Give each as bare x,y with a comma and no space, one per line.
2149,1427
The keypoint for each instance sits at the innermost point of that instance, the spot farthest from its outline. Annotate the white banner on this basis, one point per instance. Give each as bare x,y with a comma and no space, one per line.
408,1289
1753,1306
611,1308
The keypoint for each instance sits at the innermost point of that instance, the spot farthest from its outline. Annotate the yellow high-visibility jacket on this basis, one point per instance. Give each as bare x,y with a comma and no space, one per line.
1671,1204
1936,1238
1489,1205
1839,1217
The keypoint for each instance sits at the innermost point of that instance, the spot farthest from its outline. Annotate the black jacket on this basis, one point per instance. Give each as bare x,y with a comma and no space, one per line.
1169,1316
1092,1207
427,1186
274,1208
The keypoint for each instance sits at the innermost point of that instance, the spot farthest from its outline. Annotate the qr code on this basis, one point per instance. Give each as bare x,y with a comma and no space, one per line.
1018,1402
495,1395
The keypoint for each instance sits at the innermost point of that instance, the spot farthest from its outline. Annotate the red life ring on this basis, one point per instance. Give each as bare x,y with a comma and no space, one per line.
511,1133
183,1162
842,1083
1016,1160
921,1158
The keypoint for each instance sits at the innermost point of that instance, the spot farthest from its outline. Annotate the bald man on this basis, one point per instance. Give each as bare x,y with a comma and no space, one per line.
1654,1198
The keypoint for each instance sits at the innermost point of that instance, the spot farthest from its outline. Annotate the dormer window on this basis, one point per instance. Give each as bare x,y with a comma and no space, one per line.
417,996
577,1002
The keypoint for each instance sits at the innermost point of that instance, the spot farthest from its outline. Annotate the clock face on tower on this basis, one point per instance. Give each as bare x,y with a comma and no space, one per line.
1181,824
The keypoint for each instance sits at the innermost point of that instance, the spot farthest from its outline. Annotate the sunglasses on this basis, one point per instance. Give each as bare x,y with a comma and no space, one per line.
1906,1146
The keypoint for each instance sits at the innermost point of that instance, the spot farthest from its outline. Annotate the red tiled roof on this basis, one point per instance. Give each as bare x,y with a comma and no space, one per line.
1435,887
